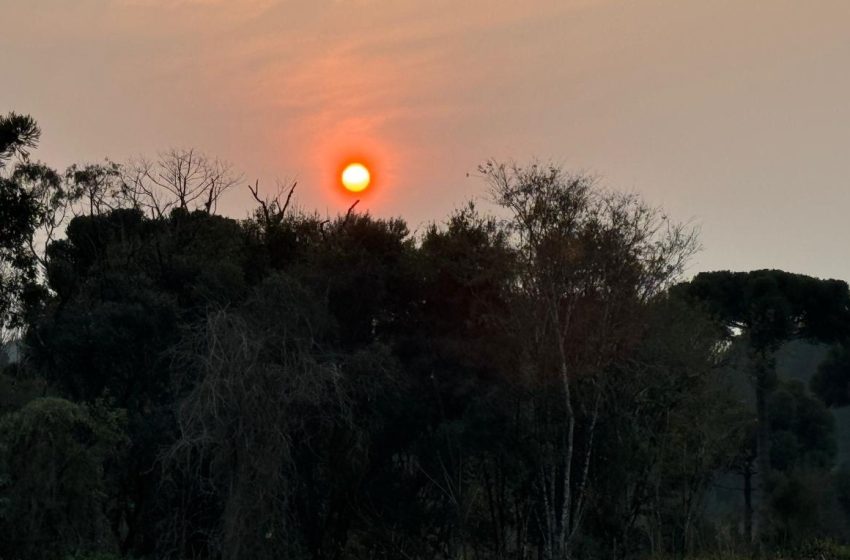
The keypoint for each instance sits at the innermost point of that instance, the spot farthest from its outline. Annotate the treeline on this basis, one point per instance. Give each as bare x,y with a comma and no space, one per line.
536,385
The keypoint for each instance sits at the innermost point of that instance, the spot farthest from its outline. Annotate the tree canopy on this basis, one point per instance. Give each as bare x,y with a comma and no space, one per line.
535,382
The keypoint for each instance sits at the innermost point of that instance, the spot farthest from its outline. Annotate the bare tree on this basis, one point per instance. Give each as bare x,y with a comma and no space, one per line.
588,260
271,210
178,178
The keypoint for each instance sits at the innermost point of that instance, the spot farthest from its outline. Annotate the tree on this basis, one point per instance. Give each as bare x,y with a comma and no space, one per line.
18,134
123,288
268,430
802,429
53,203
33,206
671,425
587,262
98,186
769,307
182,179
53,462
18,217
802,453
832,380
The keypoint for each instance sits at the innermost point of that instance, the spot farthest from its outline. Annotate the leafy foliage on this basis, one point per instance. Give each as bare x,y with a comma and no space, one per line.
832,380
527,386
55,455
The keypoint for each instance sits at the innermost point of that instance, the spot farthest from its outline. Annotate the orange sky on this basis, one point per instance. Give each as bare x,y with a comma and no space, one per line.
735,114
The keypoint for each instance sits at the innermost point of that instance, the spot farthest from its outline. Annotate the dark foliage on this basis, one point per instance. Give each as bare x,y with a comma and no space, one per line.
289,386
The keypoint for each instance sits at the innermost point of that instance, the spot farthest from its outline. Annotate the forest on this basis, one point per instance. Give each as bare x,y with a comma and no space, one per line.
541,381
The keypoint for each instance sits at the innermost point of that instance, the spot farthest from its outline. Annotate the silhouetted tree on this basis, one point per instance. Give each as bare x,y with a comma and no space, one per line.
99,187
183,179
770,307
33,207
18,134
832,380
512,387
587,262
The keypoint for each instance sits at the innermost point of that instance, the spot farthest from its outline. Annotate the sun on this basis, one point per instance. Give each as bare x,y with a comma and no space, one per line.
356,177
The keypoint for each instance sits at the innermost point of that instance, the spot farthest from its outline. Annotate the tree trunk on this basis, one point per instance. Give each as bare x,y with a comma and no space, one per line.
762,367
748,502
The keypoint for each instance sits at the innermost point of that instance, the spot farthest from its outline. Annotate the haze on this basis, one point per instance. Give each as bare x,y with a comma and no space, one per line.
732,114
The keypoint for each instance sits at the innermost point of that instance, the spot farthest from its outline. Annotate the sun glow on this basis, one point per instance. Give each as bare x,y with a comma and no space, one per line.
356,177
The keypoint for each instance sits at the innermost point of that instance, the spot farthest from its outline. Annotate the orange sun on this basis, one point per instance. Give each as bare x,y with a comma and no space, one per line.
356,177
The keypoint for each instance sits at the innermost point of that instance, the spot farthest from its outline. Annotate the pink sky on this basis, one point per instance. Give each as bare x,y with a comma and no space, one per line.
733,114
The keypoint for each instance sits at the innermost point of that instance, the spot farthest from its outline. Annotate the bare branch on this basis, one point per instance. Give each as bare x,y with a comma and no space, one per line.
350,210
178,178
271,211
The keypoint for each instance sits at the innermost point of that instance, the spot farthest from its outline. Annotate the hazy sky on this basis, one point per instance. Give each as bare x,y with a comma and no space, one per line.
734,114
